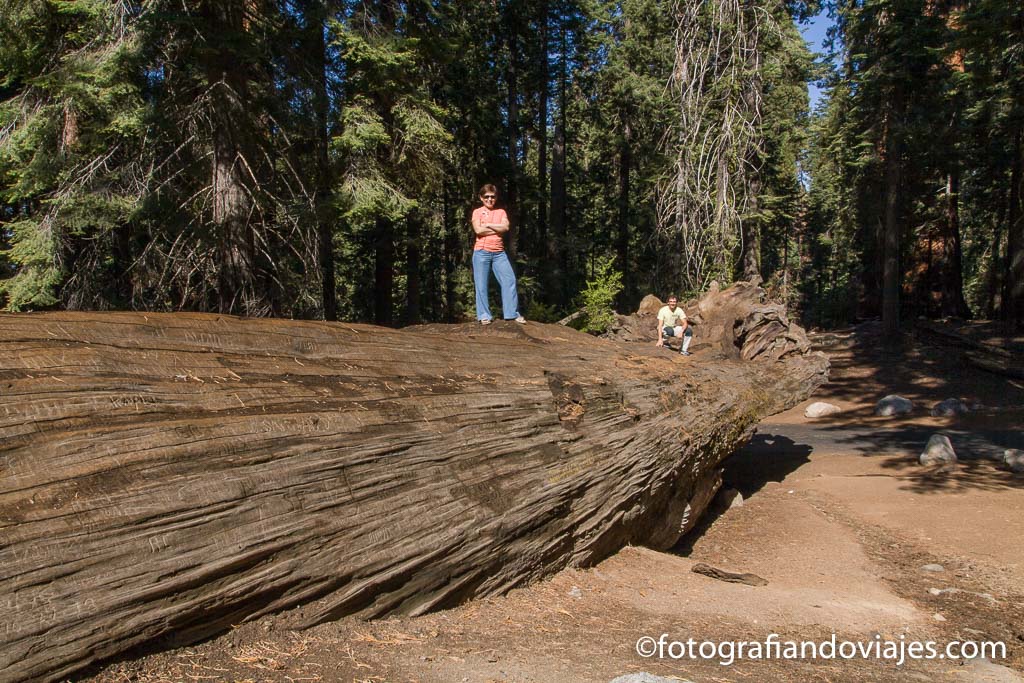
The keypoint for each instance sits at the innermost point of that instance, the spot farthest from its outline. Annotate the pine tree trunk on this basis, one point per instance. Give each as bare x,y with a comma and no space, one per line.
413,242
384,270
953,301
451,254
325,214
512,185
558,236
891,247
677,270
750,225
544,248
231,204
1014,299
996,271
751,234
622,243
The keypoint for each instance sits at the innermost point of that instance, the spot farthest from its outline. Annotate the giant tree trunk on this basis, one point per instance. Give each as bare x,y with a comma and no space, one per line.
172,475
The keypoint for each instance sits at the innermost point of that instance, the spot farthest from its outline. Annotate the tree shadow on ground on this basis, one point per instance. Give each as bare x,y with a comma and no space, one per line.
865,365
910,440
766,458
978,475
979,454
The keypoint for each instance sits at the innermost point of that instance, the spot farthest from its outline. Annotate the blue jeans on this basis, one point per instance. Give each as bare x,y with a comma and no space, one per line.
483,263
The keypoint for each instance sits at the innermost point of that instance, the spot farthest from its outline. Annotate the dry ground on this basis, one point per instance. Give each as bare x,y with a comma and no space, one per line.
838,518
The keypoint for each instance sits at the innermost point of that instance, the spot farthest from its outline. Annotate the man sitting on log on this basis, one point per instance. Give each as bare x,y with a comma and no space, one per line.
672,323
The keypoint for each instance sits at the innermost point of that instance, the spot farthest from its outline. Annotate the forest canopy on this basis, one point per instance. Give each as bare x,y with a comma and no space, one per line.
319,159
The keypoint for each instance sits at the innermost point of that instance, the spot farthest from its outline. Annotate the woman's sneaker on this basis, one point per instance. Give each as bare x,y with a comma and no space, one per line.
521,320
486,321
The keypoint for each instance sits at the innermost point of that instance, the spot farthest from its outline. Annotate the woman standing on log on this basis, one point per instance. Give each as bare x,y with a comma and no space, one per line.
490,224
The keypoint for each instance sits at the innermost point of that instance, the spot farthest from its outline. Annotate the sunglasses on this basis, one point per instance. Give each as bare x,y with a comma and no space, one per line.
490,196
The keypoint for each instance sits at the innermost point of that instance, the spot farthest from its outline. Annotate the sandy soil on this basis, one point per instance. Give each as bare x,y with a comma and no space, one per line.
837,517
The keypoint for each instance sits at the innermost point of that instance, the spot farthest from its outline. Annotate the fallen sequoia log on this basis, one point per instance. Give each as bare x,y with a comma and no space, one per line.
169,475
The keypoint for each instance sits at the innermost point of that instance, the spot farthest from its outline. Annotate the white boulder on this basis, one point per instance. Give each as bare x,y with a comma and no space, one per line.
821,409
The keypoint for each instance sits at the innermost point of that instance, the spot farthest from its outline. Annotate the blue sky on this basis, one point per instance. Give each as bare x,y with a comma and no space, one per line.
814,34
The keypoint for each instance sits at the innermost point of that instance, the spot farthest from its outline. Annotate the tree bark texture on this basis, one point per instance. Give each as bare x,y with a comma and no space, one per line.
622,238
325,213
169,475
953,301
383,270
512,184
231,199
543,247
413,251
891,274
557,241
1014,299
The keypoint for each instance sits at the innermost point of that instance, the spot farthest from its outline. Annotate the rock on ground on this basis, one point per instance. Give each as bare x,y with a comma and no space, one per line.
728,499
644,677
1014,459
949,408
893,405
821,409
939,451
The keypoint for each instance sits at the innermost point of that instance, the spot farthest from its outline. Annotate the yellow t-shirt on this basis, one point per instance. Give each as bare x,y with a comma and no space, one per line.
670,318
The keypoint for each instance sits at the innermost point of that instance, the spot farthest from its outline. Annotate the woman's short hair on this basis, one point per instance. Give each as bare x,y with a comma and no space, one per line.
484,189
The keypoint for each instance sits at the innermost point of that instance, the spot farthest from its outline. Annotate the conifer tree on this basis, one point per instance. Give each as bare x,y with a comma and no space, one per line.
71,151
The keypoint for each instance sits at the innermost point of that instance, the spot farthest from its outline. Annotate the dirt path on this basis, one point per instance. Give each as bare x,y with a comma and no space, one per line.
837,517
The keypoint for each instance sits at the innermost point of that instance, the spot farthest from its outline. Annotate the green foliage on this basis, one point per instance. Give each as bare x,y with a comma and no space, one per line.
541,313
598,295
72,123
363,130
